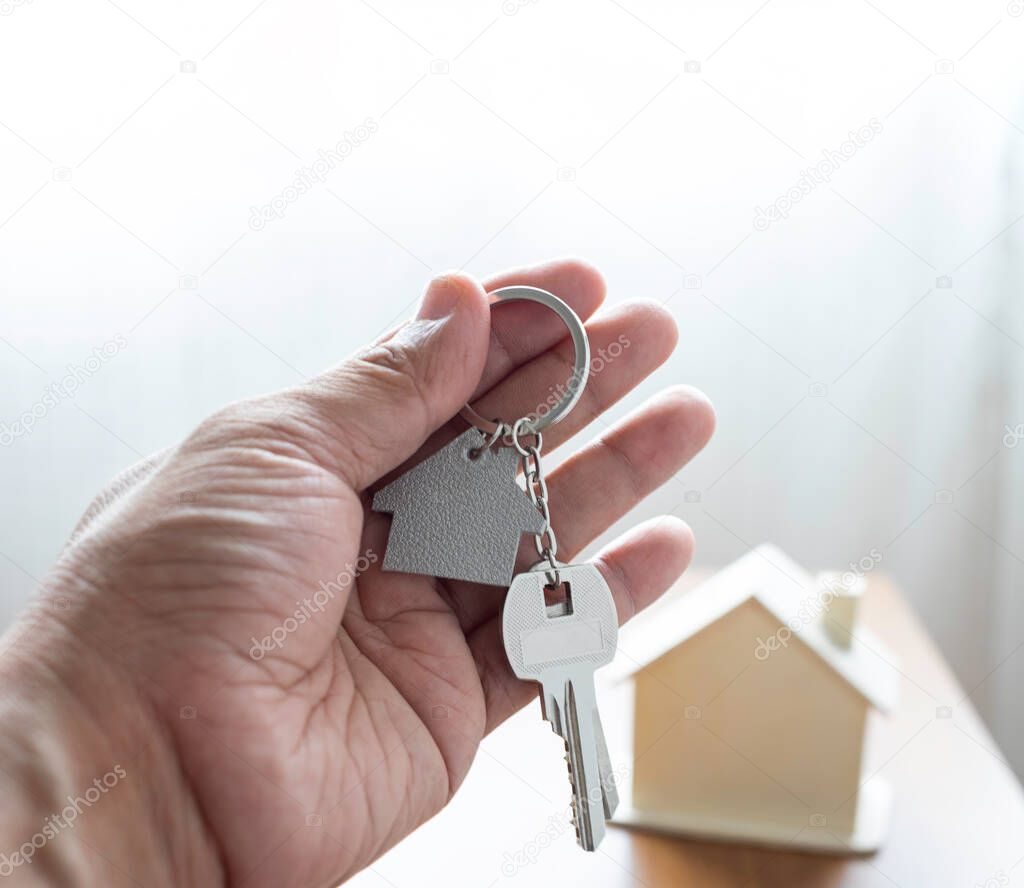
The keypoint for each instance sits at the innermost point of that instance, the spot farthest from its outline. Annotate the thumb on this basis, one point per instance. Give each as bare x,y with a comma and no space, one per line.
374,410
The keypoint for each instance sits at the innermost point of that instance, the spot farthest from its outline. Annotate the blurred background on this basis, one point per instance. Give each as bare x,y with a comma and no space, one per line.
203,201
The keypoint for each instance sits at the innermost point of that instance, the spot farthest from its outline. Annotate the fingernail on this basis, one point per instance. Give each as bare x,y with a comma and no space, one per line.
440,300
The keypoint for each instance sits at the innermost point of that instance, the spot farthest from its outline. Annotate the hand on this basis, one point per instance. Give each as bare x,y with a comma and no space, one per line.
297,760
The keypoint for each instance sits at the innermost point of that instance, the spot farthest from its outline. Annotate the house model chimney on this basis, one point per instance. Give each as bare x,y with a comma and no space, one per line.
840,597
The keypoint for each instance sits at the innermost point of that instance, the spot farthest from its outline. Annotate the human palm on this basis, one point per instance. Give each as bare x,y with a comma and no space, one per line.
312,709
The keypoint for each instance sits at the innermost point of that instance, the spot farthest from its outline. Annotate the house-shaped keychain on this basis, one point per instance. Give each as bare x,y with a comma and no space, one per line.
459,514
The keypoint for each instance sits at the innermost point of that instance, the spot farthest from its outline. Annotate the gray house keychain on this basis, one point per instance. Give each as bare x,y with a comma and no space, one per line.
460,514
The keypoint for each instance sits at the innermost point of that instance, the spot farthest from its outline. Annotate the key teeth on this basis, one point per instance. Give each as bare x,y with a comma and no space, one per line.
572,797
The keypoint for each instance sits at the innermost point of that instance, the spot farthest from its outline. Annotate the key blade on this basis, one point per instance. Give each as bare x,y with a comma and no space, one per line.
609,791
584,770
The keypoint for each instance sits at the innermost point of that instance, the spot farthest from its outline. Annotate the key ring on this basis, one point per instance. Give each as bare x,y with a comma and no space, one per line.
533,423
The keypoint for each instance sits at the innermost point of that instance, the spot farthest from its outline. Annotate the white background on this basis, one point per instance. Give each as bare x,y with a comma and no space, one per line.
855,396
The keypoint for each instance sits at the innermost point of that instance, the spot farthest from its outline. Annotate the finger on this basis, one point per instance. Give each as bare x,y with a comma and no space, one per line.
599,484
605,480
522,330
628,343
374,410
638,567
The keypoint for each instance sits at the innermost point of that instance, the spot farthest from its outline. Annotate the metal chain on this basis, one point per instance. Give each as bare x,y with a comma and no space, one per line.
529,456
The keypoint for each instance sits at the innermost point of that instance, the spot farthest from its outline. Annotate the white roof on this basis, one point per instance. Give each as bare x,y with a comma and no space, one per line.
782,587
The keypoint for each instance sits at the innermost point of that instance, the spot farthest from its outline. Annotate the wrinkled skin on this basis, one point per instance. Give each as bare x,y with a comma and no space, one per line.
303,763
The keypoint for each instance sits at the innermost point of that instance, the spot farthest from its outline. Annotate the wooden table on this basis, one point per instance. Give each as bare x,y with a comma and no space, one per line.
957,819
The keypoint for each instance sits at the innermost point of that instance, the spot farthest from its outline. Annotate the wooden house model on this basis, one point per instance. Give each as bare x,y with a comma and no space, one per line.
751,698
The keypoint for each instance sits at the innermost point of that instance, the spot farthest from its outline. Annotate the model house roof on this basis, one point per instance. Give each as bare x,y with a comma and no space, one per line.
790,595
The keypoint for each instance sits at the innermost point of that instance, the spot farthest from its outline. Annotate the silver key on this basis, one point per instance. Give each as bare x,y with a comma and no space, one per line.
560,646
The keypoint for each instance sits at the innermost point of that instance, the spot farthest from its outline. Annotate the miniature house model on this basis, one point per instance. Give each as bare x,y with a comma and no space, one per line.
751,697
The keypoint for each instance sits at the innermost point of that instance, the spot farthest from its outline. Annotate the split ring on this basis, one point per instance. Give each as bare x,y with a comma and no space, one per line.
533,423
